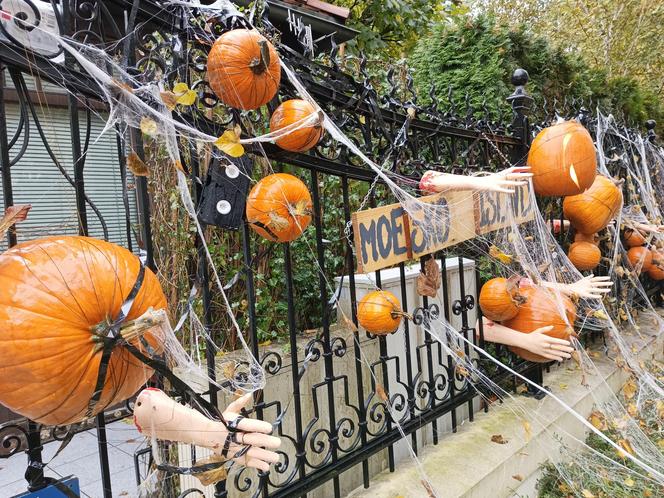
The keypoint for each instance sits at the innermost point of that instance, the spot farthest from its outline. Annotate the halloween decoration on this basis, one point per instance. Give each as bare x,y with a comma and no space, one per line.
225,192
640,258
633,238
288,114
584,255
243,69
59,298
379,312
500,299
562,159
156,415
541,309
592,210
279,207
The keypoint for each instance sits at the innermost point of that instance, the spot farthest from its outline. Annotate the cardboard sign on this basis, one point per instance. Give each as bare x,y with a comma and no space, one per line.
388,235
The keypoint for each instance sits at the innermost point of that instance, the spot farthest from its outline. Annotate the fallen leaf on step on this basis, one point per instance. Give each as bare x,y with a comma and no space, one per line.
428,488
499,439
518,477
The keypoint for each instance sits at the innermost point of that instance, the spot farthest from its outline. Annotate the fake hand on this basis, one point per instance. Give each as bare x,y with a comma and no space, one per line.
591,287
156,415
550,348
504,181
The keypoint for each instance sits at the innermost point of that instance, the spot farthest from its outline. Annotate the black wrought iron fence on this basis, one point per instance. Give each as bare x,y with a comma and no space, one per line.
338,419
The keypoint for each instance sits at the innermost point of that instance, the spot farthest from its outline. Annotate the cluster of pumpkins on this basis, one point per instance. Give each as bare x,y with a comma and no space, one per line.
563,161
642,258
244,71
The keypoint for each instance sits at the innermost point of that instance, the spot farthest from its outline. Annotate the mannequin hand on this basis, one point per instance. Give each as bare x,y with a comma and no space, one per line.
504,181
591,287
550,348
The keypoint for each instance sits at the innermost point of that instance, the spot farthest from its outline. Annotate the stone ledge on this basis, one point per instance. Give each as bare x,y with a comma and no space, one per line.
467,464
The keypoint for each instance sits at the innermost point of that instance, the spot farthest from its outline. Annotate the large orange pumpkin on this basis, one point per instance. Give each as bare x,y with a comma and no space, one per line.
656,272
634,238
243,69
640,258
584,255
541,309
289,113
379,312
594,209
562,159
279,207
54,293
500,299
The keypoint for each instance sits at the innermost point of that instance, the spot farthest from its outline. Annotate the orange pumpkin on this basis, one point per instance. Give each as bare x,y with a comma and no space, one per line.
58,294
593,238
542,309
562,160
656,272
243,69
379,312
584,255
279,207
634,238
594,209
289,113
658,257
640,258
500,299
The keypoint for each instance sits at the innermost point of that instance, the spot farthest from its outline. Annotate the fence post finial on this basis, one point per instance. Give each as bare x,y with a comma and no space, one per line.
521,103
650,126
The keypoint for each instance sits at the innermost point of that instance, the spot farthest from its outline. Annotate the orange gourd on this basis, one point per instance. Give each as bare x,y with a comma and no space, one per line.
594,209
634,238
562,160
379,312
289,113
243,69
279,207
640,258
658,257
500,299
541,309
593,238
57,295
584,255
656,272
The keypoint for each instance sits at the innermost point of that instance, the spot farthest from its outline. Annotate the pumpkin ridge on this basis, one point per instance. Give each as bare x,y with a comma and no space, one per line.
37,313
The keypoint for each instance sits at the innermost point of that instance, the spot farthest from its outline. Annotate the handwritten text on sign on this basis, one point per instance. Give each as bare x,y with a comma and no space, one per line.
388,235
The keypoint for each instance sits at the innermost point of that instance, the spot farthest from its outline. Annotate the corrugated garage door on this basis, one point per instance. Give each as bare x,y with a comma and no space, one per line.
36,180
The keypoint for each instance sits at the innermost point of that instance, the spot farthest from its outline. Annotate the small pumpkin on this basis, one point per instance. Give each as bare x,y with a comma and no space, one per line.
289,113
562,159
379,312
584,255
594,209
56,299
279,207
640,258
541,309
656,272
658,257
500,299
243,69
593,238
633,238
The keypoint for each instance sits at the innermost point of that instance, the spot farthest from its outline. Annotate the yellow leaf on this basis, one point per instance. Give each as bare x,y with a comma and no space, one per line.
626,446
361,119
136,165
598,420
632,409
586,493
494,252
178,166
180,88
148,126
647,493
660,443
229,143
527,429
629,482
600,314
629,389
265,343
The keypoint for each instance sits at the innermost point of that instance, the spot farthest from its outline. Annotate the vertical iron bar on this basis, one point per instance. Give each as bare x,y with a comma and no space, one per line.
409,361
327,349
350,265
450,360
7,190
464,326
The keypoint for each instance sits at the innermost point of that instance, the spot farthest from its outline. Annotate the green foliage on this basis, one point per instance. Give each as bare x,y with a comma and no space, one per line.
476,56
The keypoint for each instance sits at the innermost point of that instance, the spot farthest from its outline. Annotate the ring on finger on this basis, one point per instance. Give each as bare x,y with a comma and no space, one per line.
238,437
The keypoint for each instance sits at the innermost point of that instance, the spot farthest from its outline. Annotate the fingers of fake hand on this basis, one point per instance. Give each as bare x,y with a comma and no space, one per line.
257,458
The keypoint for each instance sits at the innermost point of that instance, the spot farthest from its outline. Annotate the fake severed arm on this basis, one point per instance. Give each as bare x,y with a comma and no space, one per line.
504,181
590,287
156,415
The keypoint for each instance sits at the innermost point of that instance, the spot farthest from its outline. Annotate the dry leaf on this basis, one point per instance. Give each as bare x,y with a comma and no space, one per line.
629,482
229,143
598,420
528,429
429,489
629,389
228,369
499,439
647,493
122,85
184,95
14,214
632,410
600,314
277,221
494,252
380,391
626,446
265,343
136,165
209,477
586,493
350,324
169,99
148,126
178,166
429,280
518,477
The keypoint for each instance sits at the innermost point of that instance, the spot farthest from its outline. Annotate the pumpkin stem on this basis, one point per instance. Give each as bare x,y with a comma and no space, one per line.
260,65
129,331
